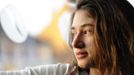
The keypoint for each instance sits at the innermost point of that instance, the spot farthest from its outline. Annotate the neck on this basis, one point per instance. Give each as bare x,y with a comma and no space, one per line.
95,71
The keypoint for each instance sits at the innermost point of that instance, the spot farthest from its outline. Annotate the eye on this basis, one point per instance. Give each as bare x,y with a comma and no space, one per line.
87,32
73,32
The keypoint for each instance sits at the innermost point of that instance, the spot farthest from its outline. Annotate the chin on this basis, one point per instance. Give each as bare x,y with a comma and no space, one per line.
83,64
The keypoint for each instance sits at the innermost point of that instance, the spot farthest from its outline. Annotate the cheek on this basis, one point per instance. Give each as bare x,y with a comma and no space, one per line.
90,46
89,43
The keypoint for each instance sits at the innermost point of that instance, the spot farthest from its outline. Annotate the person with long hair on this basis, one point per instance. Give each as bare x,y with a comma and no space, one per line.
101,37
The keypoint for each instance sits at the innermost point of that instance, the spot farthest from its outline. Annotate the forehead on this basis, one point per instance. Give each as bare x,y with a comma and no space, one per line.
82,17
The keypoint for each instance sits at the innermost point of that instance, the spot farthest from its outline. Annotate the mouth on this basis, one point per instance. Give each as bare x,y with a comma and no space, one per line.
81,54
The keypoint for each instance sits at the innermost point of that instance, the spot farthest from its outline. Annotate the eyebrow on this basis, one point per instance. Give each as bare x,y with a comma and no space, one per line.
84,25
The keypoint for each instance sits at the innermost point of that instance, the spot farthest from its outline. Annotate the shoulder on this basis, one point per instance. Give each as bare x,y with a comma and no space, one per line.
51,69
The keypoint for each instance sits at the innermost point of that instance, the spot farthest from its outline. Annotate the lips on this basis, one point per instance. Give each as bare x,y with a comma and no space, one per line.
81,54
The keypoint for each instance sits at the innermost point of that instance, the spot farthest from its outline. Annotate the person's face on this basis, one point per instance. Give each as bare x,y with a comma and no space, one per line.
83,45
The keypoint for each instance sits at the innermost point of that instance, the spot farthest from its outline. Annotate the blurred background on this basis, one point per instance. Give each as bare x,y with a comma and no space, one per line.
34,32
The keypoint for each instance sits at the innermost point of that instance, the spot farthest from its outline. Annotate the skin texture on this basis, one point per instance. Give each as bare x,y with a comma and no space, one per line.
83,38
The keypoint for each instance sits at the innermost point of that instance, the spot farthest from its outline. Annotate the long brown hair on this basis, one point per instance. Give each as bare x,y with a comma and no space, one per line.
113,37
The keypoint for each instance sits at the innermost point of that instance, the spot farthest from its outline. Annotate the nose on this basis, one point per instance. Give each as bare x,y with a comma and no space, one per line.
78,42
